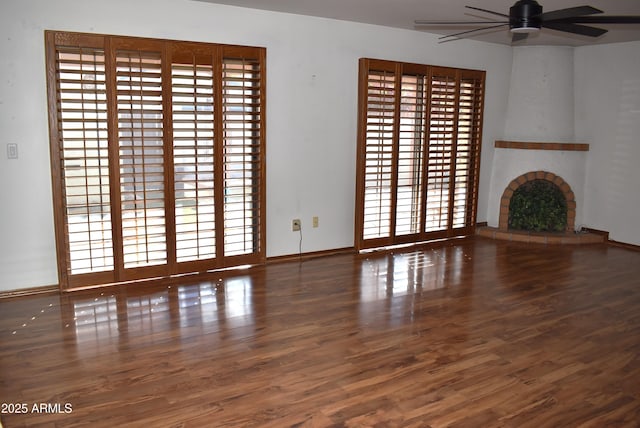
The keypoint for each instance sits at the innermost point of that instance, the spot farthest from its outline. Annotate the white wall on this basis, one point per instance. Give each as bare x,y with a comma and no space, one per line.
311,111
607,116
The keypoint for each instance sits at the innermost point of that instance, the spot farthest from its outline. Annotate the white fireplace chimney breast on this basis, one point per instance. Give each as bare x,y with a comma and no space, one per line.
540,109
540,105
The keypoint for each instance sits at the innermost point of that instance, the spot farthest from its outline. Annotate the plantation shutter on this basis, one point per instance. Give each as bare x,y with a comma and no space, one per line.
411,142
80,159
242,133
470,107
157,152
442,134
194,154
140,136
419,138
378,163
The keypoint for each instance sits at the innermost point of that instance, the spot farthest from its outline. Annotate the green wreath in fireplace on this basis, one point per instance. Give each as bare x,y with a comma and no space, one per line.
539,206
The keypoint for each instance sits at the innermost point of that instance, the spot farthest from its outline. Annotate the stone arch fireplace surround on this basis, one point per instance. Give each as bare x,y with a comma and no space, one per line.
505,201
516,163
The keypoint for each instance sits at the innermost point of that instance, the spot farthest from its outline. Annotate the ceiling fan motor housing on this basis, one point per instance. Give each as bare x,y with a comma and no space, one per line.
524,16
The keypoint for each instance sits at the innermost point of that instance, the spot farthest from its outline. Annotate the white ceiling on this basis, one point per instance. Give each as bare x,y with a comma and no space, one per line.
403,13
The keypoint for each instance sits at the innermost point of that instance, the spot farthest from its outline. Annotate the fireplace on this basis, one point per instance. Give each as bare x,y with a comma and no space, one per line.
516,163
563,186
538,142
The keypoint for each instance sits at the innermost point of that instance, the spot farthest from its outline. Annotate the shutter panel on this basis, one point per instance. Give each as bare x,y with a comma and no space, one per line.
193,157
378,155
410,155
441,144
141,157
242,134
467,150
84,159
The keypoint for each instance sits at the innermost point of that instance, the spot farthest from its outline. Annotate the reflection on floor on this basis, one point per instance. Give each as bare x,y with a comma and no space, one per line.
474,332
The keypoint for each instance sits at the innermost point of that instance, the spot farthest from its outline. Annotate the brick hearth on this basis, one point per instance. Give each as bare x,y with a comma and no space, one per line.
569,237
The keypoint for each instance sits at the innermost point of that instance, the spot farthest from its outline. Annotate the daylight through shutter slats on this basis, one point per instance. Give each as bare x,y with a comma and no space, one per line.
420,136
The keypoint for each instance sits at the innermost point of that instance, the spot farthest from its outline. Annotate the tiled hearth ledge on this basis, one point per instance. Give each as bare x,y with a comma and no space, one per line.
541,237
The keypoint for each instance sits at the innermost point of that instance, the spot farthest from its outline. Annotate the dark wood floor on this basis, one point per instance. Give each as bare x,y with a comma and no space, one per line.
476,333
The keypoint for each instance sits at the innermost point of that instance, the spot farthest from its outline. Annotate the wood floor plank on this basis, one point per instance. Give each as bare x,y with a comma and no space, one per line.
466,333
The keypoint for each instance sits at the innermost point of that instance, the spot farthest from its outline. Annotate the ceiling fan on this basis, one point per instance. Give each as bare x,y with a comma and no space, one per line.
526,17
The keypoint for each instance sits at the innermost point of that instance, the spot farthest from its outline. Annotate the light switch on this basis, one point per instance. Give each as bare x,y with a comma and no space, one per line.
12,151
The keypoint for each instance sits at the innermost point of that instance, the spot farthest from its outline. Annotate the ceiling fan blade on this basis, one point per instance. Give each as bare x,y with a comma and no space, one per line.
569,13
422,22
611,19
488,11
568,27
518,37
470,31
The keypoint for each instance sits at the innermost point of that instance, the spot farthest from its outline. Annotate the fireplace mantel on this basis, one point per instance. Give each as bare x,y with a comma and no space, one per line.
529,145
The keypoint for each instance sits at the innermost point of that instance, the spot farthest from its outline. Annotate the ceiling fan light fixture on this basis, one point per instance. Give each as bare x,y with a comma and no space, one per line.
527,16
524,29
524,17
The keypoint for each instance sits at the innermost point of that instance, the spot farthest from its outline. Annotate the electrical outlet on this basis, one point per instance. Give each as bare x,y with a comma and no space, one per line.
296,225
315,221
